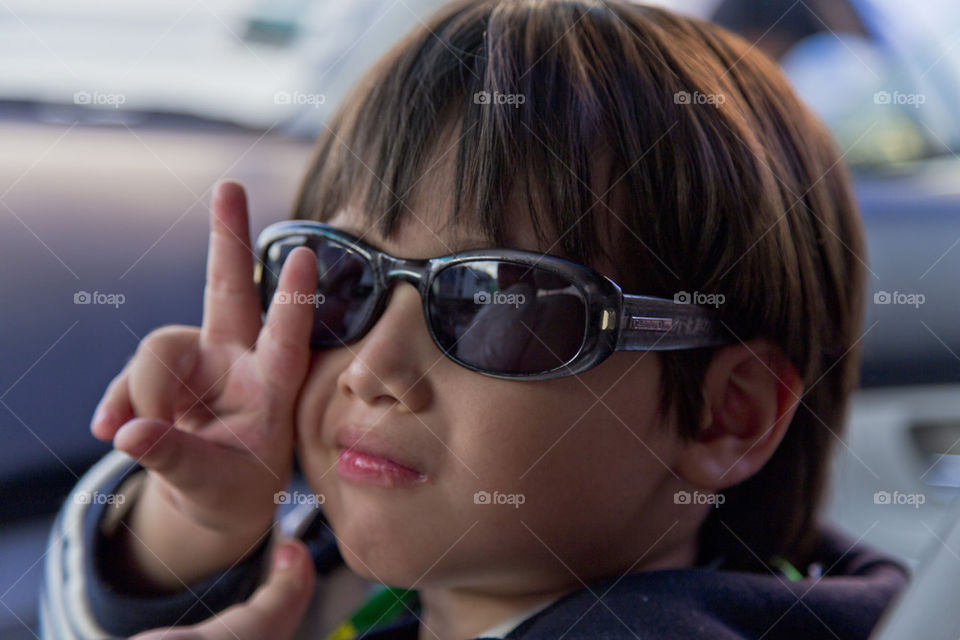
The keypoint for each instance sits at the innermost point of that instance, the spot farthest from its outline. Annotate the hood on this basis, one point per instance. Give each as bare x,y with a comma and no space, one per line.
854,584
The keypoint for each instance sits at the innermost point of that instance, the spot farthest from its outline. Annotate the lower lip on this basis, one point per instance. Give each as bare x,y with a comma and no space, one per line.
369,469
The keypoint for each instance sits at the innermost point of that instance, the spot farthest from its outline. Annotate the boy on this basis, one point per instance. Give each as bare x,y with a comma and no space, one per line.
533,454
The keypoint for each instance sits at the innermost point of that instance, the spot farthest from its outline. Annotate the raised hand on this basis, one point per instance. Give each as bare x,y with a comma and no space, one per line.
209,410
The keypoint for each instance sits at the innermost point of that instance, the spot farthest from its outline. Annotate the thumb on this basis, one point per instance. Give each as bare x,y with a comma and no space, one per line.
273,612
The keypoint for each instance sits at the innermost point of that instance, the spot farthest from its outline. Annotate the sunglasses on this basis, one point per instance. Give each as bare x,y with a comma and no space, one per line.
500,312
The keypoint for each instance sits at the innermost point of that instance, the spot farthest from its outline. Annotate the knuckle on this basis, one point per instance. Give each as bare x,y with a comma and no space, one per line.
159,338
274,371
217,334
279,382
164,359
282,351
170,344
223,287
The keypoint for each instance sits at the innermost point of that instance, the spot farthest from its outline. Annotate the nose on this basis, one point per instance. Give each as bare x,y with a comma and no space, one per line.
390,363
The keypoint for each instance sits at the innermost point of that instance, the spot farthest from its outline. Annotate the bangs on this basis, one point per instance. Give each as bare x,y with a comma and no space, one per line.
547,106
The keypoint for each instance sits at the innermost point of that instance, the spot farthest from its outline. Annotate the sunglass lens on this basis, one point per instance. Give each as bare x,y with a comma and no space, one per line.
506,317
344,297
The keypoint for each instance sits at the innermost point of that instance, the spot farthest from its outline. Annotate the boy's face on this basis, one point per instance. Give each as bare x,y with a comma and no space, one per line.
580,465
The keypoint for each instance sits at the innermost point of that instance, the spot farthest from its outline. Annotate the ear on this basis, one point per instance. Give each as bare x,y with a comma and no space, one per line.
750,391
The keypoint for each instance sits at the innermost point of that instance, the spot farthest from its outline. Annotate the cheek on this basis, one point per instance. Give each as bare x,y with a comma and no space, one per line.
317,393
583,458
593,472
574,435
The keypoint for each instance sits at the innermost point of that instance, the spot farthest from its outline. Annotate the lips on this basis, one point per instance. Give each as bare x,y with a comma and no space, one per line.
367,457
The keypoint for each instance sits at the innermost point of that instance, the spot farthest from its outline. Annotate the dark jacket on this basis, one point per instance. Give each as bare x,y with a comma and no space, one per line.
704,602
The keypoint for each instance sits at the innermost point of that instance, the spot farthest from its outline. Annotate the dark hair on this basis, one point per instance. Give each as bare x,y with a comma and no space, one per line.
728,184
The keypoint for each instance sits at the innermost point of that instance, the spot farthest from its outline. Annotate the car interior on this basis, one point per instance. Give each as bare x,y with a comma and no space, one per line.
104,192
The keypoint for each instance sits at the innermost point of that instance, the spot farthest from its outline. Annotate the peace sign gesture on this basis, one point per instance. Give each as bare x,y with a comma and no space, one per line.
209,410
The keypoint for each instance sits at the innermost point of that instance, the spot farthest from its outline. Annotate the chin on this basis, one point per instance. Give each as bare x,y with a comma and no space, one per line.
387,565
370,542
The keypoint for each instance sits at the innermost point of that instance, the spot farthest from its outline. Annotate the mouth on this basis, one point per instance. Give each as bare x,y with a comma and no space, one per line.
365,457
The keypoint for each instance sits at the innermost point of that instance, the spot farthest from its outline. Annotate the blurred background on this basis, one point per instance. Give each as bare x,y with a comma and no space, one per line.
116,119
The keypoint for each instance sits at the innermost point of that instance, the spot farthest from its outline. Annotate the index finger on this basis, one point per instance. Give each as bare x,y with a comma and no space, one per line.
231,306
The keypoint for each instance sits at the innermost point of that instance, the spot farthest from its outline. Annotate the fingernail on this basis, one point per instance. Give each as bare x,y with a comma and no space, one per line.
283,557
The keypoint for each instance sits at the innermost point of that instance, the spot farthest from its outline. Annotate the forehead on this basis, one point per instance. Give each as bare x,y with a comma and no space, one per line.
413,237
428,226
